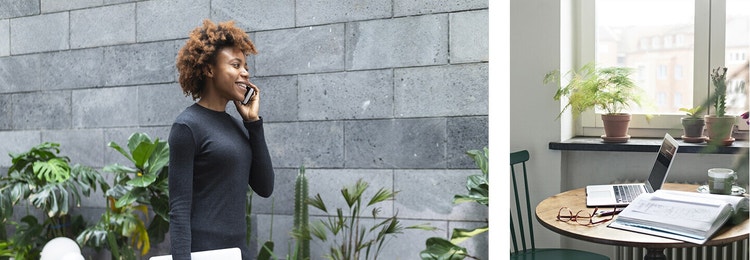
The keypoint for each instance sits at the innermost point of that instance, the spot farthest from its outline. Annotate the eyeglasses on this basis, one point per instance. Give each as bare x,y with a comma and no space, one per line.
584,218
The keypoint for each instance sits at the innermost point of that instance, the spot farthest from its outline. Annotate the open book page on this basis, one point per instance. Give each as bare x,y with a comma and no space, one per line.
739,204
678,215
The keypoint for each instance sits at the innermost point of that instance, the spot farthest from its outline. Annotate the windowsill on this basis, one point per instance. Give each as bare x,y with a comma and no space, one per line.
586,143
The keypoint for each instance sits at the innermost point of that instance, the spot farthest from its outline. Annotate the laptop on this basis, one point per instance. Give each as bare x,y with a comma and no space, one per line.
228,254
622,194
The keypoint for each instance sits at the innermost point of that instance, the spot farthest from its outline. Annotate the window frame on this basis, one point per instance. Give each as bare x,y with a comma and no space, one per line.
709,48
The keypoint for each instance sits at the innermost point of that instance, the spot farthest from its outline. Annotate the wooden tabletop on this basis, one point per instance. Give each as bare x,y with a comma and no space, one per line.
546,213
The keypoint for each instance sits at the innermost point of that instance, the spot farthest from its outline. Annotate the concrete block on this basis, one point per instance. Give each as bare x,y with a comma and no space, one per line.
160,104
255,15
82,146
6,112
101,26
278,98
404,143
453,90
418,7
313,144
110,107
428,194
466,133
139,63
346,95
109,2
311,12
400,42
18,8
406,246
282,199
329,183
169,19
469,36
4,37
478,245
19,73
73,69
49,6
300,50
42,110
46,32
17,142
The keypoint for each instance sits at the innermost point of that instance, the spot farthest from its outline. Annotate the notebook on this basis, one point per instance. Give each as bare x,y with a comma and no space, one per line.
228,254
623,194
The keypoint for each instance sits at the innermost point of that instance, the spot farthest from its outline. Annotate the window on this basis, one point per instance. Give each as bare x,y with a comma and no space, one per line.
672,44
661,72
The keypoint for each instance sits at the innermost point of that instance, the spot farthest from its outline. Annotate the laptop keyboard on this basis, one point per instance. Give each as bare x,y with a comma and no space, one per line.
626,193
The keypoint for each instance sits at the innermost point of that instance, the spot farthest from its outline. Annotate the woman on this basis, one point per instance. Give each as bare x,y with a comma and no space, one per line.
214,156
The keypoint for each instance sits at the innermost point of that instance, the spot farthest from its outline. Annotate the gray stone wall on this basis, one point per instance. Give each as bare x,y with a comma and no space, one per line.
389,91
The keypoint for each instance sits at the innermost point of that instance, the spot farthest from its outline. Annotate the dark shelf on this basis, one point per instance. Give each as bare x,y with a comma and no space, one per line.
583,143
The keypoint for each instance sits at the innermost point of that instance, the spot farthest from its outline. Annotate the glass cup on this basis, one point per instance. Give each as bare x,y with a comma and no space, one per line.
721,180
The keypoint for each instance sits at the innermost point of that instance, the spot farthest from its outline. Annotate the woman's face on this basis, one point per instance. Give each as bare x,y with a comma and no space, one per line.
229,74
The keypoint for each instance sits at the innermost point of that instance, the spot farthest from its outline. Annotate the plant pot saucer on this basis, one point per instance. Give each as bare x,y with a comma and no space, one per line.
621,139
691,139
725,142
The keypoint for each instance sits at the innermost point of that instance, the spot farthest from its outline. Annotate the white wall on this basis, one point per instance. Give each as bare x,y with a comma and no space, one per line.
534,51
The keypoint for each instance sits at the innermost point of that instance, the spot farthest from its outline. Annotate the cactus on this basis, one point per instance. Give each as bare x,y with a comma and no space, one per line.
301,230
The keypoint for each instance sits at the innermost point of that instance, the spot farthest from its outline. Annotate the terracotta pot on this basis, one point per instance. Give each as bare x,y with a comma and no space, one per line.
693,127
616,126
719,128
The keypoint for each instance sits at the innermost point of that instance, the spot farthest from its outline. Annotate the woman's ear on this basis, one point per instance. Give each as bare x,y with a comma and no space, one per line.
208,71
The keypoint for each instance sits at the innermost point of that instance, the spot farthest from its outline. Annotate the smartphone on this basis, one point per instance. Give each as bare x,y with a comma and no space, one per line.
248,94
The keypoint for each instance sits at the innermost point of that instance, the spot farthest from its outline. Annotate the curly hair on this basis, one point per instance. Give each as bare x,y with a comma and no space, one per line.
201,49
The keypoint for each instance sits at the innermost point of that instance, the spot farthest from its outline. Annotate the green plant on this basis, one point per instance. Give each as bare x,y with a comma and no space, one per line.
122,228
718,78
48,182
301,230
609,89
478,191
692,112
351,238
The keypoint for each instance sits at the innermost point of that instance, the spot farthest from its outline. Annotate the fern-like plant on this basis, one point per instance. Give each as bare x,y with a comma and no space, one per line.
609,89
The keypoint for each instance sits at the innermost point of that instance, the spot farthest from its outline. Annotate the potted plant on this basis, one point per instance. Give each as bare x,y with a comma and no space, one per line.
692,125
609,89
719,125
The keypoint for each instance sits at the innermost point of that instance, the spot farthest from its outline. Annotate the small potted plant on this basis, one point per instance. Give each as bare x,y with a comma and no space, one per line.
718,124
692,125
609,89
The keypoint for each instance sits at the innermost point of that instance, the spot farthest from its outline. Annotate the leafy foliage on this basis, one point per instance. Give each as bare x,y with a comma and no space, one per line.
351,238
478,187
718,78
122,228
609,89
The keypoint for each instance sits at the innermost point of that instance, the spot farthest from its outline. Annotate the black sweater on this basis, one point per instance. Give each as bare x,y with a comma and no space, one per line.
213,156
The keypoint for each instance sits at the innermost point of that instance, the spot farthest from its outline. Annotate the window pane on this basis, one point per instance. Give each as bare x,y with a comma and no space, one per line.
737,49
654,37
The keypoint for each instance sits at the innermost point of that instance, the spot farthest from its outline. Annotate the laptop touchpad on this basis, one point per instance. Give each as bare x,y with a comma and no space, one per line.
599,194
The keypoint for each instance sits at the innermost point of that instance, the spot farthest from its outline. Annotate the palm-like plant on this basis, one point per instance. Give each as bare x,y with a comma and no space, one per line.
122,228
352,239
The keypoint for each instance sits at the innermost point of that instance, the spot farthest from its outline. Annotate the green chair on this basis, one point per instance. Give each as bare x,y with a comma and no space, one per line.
521,157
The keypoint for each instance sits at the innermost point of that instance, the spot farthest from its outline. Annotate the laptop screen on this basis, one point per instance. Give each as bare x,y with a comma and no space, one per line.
664,158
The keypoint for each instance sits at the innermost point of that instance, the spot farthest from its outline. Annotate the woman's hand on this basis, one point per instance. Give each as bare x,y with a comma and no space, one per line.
249,111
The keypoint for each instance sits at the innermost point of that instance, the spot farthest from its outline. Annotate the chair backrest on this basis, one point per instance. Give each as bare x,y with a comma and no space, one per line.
518,160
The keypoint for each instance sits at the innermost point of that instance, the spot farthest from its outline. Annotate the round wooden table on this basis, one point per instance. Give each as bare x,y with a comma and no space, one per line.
546,214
